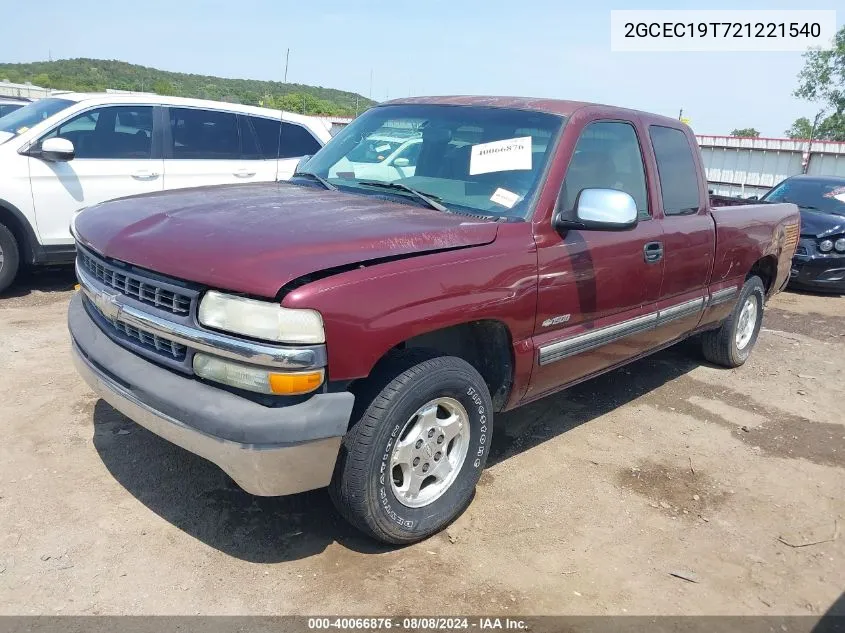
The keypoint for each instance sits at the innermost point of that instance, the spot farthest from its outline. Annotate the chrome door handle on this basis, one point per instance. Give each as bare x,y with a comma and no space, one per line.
145,175
653,252
243,173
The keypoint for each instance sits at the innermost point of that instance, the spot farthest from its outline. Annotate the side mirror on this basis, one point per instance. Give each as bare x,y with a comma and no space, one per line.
599,210
752,198
57,149
401,162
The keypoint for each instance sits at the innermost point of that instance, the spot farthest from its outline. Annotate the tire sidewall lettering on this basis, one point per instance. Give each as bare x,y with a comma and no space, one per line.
479,431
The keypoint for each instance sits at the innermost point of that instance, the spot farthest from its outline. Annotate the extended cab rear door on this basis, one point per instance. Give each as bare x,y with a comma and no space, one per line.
597,290
689,239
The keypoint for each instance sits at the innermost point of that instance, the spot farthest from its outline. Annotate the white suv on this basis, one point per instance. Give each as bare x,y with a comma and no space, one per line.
61,154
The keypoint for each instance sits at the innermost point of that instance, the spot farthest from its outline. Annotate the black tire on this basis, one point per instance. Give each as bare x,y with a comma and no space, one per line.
361,487
11,257
720,346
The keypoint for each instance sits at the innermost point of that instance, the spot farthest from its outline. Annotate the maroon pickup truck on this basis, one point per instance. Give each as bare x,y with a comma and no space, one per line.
439,261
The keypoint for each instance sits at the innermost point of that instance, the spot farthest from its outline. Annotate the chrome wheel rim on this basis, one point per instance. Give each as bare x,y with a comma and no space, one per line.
429,453
747,322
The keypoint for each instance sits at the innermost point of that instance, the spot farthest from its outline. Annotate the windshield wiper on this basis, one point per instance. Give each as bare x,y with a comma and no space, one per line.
428,198
320,179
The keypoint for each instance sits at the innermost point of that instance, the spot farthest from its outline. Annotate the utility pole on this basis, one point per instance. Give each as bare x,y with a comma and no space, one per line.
681,115
806,165
287,59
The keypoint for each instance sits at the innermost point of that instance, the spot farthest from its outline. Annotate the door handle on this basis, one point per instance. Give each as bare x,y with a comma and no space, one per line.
653,252
243,173
145,175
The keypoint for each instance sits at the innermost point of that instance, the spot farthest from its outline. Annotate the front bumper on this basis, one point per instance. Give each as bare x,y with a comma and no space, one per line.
824,273
267,451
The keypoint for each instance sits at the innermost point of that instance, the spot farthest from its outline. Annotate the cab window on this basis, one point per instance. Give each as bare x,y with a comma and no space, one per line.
607,156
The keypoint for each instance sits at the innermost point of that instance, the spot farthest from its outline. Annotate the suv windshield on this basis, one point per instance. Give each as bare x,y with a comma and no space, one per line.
470,159
818,195
31,115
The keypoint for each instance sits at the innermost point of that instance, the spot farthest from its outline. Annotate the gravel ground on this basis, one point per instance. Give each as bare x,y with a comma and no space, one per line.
666,487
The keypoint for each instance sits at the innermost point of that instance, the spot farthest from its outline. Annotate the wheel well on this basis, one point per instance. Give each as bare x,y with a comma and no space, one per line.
13,223
486,345
766,269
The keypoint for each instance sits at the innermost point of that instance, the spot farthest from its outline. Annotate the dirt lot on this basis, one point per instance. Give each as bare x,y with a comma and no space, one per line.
593,498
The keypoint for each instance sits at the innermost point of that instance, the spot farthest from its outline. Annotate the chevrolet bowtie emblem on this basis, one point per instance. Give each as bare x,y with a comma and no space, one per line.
107,304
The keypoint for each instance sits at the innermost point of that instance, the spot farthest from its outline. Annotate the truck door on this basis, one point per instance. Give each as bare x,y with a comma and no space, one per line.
597,290
689,238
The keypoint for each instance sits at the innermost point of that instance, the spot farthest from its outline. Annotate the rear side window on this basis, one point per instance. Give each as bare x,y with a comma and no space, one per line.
204,135
607,156
297,141
267,131
676,169
109,132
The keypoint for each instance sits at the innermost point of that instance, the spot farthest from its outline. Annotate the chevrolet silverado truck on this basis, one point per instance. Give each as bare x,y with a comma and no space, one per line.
362,334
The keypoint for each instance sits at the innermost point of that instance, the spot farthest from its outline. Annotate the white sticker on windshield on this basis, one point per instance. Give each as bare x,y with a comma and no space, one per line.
506,155
383,148
504,197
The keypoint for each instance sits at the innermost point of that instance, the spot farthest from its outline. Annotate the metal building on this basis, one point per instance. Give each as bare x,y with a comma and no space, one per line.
747,167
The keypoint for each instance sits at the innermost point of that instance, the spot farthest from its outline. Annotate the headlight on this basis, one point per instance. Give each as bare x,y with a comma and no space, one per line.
256,378
825,246
839,245
260,319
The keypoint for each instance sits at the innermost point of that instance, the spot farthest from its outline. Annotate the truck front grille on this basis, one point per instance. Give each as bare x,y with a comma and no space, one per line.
145,290
152,341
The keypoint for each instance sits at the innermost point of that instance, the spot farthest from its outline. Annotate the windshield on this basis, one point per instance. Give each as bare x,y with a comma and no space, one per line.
374,150
819,195
477,159
32,114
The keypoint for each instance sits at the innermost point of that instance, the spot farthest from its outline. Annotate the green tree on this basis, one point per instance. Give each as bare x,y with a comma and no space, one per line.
746,132
42,79
801,129
162,87
99,74
822,80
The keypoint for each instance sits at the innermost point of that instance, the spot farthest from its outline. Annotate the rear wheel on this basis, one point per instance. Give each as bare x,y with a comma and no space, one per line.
9,257
732,343
409,465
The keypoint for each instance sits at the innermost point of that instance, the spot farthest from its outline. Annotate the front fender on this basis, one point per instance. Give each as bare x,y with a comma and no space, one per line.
370,310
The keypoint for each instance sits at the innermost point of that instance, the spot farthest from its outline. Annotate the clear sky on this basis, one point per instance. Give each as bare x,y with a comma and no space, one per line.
519,47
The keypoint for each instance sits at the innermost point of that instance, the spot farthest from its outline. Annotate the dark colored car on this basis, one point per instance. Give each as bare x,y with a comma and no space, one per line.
361,334
819,262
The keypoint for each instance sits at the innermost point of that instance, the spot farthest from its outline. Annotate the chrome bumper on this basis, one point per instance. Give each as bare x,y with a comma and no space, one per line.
266,451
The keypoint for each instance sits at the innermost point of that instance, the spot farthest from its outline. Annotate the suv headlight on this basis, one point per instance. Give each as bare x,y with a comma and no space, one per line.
825,246
260,319
839,245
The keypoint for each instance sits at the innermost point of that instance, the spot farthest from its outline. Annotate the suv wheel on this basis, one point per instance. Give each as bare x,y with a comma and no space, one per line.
9,257
731,344
409,465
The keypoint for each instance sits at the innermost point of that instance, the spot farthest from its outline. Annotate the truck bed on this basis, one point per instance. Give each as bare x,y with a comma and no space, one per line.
747,233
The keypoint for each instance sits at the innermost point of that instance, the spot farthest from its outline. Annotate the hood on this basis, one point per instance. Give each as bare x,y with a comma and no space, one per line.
819,224
256,238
